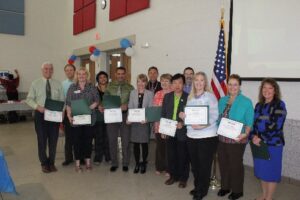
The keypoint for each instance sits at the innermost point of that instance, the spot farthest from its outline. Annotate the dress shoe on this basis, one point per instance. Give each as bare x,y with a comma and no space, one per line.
67,162
234,196
125,168
170,181
182,184
52,168
222,192
45,169
113,168
136,168
143,168
193,192
197,197
97,160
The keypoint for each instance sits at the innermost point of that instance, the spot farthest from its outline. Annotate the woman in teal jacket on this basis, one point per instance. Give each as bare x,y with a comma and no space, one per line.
237,107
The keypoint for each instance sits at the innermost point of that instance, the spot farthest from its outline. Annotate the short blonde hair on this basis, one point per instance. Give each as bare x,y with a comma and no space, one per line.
142,77
166,76
193,90
82,69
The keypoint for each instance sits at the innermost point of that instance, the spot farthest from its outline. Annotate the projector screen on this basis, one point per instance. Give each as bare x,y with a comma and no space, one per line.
266,38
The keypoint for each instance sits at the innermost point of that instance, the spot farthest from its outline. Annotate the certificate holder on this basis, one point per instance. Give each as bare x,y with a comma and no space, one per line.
167,127
196,115
113,115
111,101
53,110
153,114
136,115
230,128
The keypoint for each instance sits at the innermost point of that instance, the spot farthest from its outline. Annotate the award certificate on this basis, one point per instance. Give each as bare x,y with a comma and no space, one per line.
82,119
113,115
136,115
167,127
230,128
196,115
53,116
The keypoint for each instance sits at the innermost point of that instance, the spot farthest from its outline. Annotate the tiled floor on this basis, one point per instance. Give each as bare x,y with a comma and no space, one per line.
18,141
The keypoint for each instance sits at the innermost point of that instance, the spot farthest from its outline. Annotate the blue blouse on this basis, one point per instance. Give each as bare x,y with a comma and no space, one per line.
269,119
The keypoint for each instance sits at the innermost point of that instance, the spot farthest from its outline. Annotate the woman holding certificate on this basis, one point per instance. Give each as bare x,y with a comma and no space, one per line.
270,114
140,130
202,135
82,89
234,109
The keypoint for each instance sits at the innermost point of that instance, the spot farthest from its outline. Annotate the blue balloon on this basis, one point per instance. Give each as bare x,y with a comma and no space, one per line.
124,43
96,52
73,57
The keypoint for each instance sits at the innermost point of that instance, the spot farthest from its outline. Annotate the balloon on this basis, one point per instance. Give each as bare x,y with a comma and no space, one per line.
91,49
71,62
129,51
96,52
93,58
124,43
73,57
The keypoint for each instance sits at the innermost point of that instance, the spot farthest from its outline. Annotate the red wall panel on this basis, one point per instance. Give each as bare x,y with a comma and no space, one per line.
89,16
87,2
77,23
117,9
78,4
137,5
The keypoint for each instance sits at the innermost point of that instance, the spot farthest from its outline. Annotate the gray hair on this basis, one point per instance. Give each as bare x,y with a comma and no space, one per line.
46,63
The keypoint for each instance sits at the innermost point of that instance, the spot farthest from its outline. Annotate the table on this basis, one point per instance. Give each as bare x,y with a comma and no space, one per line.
14,106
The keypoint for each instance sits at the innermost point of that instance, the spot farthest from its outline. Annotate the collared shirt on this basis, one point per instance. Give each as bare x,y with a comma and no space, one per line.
66,84
37,92
187,88
176,103
154,87
120,89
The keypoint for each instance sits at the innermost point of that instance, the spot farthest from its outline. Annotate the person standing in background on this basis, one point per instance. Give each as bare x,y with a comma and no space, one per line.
69,72
188,73
47,132
153,85
11,84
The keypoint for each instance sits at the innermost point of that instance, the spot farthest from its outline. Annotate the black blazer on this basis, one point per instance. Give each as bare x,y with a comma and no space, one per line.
167,112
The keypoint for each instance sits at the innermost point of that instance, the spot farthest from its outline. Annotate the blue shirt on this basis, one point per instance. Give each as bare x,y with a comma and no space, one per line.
66,84
187,88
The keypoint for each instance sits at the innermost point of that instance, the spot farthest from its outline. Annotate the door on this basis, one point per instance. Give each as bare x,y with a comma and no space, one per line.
90,66
118,60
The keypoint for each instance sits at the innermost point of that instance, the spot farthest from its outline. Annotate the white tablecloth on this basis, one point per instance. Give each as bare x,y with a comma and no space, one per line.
17,106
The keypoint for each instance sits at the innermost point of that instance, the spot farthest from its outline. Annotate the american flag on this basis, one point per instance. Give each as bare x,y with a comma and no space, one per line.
218,81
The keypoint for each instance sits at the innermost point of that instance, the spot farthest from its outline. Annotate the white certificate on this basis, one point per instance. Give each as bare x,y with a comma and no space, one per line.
167,127
53,116
136,115
82,119
113,115
196,115
230,128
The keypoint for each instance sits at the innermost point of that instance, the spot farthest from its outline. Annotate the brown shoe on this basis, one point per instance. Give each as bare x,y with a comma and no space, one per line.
170,181
45,169
52,168
182,184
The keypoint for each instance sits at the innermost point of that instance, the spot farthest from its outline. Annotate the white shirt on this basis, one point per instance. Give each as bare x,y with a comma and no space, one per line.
209,99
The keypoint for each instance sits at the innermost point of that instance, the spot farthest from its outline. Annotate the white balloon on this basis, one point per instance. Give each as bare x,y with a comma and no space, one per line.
129,51
93,58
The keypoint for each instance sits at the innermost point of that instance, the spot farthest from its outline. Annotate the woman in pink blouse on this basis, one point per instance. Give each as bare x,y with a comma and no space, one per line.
160,154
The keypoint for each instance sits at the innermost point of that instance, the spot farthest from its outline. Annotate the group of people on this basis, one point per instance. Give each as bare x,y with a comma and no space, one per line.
192,146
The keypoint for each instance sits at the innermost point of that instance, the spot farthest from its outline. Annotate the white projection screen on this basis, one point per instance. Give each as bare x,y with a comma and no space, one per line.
266,38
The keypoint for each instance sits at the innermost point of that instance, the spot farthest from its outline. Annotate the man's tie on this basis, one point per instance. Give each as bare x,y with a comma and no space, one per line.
48,89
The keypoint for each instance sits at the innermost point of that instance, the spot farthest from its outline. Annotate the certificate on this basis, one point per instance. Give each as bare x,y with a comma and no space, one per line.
136,115
230,128
53,116
113,115
196,115
167,127
82,119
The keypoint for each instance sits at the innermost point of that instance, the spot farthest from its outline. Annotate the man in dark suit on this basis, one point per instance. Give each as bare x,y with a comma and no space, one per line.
177,153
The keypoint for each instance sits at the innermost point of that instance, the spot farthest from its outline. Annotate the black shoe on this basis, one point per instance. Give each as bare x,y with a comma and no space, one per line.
234,196
97,161
143,168
197,197
82,162
193,192
136,168
113,168
67,162
125,168
222,192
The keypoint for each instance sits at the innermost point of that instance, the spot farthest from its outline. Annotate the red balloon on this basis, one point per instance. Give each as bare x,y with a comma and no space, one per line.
71,62
91,49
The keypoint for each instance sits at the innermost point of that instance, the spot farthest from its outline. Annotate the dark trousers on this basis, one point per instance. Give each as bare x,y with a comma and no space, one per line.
12,96
231,166
178,159
101,142
68,139
201,153
47,133
137,152
113,131
160,153
83,136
